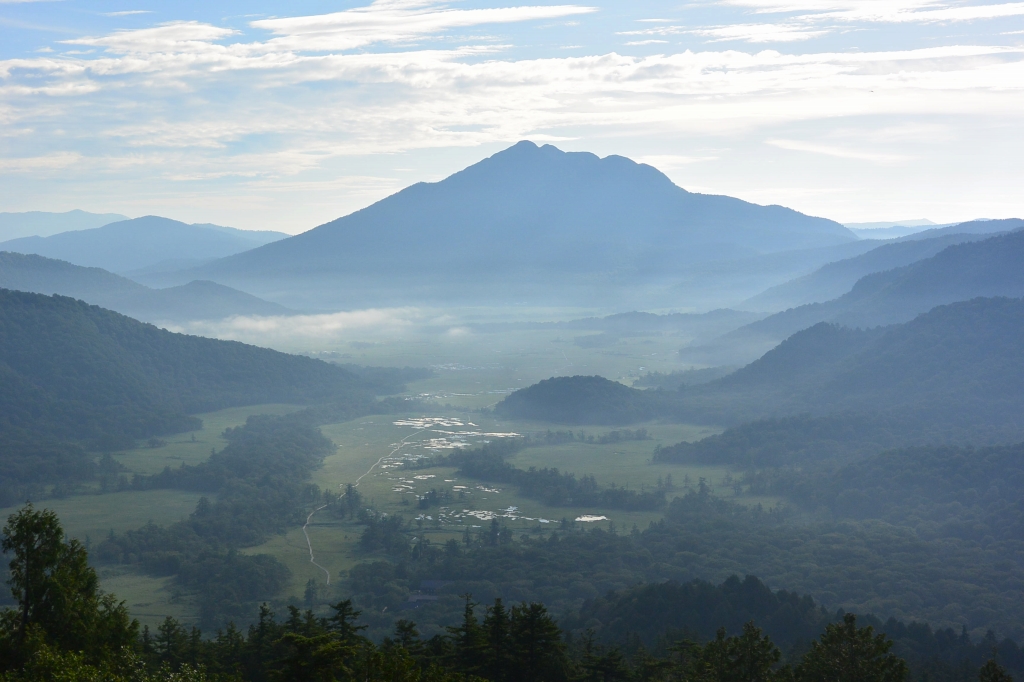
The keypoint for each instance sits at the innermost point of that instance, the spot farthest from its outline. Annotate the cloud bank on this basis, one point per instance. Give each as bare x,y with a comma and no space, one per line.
279,108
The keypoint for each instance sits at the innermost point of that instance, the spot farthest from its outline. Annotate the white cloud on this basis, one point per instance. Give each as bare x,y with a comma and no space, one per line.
395,21
666,162
841,152
273,330
44,164
893,11
127,13
760,33
270,113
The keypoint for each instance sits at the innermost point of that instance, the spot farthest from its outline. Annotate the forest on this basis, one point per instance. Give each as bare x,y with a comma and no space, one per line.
63,627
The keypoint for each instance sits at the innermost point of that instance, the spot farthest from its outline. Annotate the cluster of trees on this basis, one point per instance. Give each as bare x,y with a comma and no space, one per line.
64,628
801,440
673,381
583,400
863,566
551,486
959,492
550,437
260,483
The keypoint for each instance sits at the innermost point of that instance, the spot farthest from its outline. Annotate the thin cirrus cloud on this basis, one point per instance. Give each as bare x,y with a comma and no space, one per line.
839,152
896,11
751,33
397,21
817,18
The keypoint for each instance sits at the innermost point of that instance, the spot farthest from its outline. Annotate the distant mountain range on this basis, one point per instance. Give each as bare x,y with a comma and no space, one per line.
835,279
43,224
962,362
142,246
965,270
529,224
956,366
196,300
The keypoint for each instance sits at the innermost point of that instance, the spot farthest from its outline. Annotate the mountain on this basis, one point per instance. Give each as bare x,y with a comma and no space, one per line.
75,377
143,243
835,279
973,227
990,267
961,362
889,230
193,301
958,366
42,224
69,353
529,224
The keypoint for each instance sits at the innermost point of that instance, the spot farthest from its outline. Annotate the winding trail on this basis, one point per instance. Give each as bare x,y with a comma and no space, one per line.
309,518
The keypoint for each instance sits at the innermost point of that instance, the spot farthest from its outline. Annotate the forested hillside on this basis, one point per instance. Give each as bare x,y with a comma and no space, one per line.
955,371
76,377
582,400
959,365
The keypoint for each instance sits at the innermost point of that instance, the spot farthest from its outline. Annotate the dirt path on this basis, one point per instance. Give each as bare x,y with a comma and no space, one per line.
309,544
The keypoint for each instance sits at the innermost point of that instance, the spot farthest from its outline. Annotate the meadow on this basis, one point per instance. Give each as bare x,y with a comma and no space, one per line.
472,372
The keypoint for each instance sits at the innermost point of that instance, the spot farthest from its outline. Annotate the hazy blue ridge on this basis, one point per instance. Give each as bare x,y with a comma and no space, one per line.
142,243
835,279
196,300
959,272
43,224
957,369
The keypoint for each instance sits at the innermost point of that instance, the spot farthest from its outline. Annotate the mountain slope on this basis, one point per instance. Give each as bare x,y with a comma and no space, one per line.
959,363
142,243
192,301
990,267
514,225
42,224
958,367
78,371
835,279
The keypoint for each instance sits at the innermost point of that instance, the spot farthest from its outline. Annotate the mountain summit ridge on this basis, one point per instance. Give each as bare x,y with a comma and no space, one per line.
522,224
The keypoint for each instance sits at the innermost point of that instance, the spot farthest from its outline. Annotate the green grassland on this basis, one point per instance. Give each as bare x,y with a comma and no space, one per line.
193,447
91,517
370,451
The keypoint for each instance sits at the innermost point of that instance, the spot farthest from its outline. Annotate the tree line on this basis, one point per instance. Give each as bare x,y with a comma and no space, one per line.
65,628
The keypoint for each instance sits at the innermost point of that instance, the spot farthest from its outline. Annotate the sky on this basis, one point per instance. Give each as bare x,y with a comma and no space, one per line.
283,116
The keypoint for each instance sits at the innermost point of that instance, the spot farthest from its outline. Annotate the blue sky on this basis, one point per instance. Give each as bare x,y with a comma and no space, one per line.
272,115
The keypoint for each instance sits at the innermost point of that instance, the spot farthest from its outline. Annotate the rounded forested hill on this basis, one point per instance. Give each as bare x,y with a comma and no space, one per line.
579,400
75,371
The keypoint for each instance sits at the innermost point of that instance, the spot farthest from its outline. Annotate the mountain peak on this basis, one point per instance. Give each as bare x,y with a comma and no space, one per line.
523,224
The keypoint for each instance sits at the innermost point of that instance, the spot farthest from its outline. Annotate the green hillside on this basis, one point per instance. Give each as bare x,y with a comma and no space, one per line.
75,376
